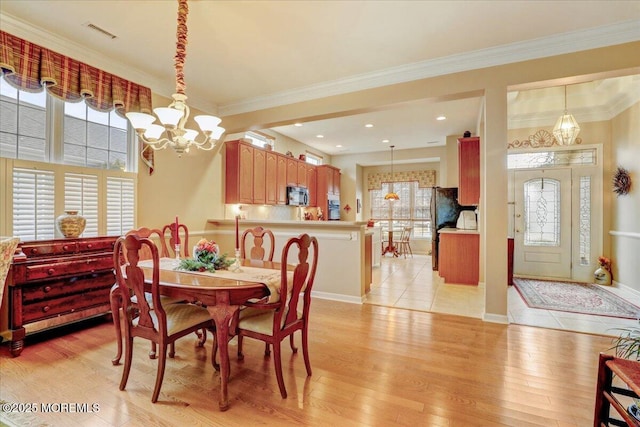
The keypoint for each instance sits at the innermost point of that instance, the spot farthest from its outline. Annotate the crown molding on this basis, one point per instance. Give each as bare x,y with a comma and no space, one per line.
574,41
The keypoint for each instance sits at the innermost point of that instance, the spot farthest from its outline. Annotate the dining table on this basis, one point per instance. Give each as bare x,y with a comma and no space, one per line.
391,247
222,292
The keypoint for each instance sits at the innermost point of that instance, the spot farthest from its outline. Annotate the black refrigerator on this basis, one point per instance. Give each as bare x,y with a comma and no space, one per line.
444,213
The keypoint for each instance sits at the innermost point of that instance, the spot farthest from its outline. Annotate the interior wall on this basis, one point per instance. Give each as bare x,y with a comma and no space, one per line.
491,81
625,210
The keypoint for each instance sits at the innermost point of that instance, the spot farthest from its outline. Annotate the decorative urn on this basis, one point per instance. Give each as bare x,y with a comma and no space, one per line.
70,224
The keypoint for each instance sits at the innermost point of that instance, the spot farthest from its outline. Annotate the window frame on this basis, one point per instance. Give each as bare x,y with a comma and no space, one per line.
407,195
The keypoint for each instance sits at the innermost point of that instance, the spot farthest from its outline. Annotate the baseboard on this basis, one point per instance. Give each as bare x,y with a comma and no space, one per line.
495,318
337,297
626,288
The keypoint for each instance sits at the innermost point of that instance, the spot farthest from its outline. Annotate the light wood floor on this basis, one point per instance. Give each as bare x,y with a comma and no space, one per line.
372,366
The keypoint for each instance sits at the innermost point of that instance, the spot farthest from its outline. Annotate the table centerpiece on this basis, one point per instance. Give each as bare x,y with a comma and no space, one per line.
206,257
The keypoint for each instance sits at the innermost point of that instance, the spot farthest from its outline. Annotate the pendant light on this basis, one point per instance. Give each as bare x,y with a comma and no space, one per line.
392,195
566,129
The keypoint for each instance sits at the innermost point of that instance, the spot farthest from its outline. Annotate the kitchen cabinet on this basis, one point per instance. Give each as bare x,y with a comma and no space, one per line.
469,171
328,185
302,174
292,172
458,260
281,180
271,178
259,176
239,182
312,183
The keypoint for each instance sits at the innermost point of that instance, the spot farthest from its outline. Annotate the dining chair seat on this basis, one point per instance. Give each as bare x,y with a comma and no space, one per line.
180,317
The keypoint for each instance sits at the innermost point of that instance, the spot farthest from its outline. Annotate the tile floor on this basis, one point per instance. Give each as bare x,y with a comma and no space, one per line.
410,283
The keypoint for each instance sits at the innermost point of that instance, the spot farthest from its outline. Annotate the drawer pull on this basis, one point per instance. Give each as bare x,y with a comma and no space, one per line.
51,271
65,248
47,289
34,250
46,308
89,246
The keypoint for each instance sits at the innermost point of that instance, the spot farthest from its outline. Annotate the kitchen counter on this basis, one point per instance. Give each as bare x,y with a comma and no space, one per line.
342,261
457,231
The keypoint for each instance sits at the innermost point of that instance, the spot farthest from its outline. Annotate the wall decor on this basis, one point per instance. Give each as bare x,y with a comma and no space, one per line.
621,181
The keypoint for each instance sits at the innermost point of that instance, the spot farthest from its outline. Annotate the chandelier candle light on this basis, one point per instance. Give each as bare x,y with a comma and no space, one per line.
392,195
566,129
173,133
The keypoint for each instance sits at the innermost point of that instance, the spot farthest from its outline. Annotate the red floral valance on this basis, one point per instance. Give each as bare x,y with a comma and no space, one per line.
30,67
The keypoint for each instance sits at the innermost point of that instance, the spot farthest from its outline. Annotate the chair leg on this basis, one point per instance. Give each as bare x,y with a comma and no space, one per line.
127,361
202,337
277,360
267,352
116,303
305,349
240,355
293,347
214,353
152,352
172,350
160,375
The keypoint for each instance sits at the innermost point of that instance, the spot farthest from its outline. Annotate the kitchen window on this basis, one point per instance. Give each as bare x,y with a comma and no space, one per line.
413,208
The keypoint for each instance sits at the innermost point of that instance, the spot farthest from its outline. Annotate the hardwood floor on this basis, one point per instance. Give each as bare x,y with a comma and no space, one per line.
372,366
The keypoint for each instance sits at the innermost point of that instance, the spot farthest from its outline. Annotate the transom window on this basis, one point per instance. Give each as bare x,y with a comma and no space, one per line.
413,209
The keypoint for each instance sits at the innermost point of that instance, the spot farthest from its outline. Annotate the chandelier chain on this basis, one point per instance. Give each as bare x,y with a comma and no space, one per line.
181,45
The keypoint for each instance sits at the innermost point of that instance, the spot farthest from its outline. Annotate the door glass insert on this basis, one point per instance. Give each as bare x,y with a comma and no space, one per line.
585,220
542,212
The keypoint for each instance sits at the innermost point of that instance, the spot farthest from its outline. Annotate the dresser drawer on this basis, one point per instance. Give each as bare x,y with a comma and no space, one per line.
58,288
71,266
46,248
67,304
104,244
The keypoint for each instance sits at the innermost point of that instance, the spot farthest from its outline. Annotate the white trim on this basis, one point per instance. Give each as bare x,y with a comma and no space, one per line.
626,288
337,297
629,234
495,318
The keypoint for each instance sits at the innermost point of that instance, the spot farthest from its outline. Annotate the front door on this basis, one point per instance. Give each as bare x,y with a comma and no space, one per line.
543,223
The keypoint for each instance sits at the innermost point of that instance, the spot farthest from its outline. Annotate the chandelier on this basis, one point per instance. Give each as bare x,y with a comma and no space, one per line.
173,118
566,129
391,195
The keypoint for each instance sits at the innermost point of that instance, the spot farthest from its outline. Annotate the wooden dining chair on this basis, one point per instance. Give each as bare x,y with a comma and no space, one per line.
160,324
170,235
404,245
117,294
273,322
257,251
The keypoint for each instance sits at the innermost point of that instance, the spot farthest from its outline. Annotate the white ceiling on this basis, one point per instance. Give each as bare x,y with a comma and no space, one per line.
247,55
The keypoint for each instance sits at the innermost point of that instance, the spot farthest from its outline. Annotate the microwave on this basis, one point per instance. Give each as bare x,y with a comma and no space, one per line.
297,196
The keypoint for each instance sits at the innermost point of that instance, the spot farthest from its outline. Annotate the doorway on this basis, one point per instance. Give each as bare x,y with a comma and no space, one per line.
556,212
543,223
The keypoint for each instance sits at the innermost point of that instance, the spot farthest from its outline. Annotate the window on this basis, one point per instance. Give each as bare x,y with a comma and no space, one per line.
413,208
313,159
40,133
260,139
43,191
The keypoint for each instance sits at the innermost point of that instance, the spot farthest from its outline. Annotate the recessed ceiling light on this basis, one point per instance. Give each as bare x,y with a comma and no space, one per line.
368,125
385,140
297,124
319,136
440,118
338,146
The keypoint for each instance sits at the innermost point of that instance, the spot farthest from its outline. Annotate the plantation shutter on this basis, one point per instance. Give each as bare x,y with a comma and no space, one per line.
120,205
33,204
81,194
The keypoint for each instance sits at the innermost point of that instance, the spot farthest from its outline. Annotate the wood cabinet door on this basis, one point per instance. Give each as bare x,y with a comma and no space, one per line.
259,175
312,179
336,181
245,174
271,178
469,171
302,174
459,258
292,172
281,180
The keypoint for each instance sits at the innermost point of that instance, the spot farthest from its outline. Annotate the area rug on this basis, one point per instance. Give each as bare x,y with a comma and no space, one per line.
575,298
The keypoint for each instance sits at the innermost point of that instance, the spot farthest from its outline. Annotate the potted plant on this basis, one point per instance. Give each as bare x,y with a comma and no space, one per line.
627,345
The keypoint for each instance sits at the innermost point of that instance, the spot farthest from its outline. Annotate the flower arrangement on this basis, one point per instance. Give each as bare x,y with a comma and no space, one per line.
206,257
605,263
